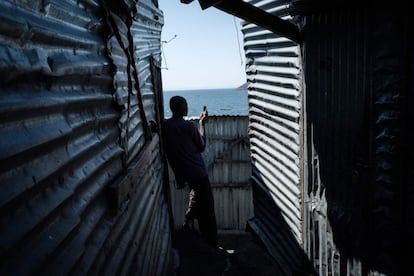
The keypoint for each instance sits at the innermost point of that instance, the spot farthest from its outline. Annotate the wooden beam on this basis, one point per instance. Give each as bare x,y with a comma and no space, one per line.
257,16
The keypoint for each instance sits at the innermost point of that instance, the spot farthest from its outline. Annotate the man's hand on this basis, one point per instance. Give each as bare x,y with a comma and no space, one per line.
203,115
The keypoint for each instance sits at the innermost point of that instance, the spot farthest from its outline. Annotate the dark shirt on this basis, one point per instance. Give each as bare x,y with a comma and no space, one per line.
184,144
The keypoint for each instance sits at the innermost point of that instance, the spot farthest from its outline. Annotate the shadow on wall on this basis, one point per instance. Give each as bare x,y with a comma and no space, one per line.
340,169
356,135
271,227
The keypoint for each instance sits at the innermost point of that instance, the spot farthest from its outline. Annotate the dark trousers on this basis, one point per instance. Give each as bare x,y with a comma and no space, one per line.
201,206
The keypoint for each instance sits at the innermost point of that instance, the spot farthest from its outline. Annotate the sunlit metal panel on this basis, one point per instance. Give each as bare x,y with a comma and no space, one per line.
274,76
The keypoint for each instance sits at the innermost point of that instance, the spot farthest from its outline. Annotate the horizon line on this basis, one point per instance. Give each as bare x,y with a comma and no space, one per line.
204,88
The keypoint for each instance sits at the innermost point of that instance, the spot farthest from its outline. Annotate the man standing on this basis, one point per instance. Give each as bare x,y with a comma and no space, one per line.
184,141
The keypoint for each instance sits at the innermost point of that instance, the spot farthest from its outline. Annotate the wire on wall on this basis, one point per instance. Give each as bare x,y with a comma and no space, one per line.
238,40
163,52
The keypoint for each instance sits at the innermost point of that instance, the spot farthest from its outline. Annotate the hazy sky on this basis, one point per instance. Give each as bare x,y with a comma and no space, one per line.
208,50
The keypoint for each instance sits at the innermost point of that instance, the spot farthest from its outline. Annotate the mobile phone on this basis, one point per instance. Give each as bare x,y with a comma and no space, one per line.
204,108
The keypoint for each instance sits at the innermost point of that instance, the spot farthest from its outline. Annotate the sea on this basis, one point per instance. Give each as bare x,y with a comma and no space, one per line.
225,101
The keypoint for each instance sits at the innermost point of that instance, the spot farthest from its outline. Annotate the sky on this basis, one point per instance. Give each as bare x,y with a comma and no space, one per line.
202,49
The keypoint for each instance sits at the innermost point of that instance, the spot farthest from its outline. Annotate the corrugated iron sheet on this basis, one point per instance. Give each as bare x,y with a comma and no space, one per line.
71,126
337,100
275,105
355,64
227,156
276,98
344,209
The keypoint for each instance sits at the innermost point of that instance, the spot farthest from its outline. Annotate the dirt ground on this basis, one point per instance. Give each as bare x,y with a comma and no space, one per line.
239,254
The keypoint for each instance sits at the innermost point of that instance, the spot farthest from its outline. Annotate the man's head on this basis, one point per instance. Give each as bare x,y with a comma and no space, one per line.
178,106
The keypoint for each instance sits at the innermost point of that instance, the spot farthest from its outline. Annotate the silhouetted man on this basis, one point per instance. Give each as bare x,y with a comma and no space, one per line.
184,141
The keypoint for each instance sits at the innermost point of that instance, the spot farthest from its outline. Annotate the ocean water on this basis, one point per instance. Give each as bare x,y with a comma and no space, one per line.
225,101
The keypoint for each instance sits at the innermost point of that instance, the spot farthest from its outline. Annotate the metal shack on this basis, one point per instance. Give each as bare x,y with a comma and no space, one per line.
330,105
83,187
81,177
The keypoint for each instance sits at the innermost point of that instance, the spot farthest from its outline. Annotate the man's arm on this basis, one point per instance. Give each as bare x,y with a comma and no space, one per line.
199,133
203,115
201,121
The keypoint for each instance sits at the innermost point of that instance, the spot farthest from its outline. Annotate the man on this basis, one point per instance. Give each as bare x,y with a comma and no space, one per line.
184,141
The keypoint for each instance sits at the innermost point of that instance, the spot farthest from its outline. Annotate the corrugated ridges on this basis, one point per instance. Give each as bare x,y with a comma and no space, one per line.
63,95
274,83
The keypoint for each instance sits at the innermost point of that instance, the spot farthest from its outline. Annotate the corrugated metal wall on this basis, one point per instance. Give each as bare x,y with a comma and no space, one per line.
292,175
356,76
327,155
391,212
227,156
338,102
275,105
76,99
